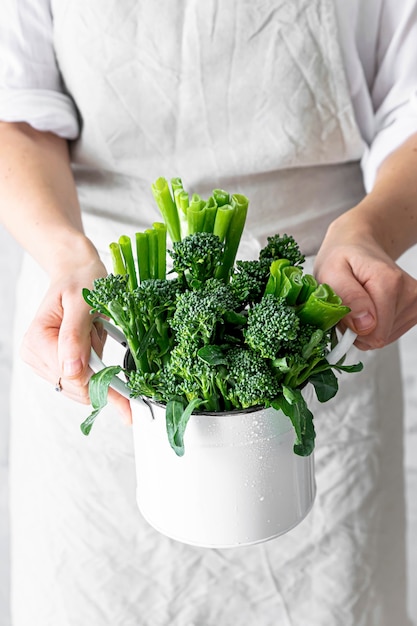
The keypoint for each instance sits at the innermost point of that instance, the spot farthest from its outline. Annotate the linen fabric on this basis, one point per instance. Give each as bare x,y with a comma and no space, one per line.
257,98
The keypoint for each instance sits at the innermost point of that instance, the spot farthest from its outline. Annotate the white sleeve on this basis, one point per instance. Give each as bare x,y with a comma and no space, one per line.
394,88
31,87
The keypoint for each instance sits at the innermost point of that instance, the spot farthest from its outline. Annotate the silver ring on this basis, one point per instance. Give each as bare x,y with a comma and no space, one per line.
58,386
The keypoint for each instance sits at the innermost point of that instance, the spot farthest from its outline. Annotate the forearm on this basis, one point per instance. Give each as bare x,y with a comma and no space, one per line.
388,214
38,199
358,254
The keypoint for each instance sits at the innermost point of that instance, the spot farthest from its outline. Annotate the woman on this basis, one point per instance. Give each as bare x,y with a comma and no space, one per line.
283,102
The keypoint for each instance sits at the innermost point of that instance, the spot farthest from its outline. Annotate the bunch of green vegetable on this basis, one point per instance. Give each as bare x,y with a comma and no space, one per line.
216,334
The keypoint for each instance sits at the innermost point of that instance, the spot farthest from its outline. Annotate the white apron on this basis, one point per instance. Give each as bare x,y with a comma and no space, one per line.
252,97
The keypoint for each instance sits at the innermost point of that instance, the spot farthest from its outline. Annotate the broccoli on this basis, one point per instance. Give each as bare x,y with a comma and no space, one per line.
141,314
154,302
250,379
195,377
303,355
272,324
249,280
282,247
200,315
197,257
111,297
222,334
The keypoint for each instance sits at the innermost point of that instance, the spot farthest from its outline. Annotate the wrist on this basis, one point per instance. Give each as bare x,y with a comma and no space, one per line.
70,250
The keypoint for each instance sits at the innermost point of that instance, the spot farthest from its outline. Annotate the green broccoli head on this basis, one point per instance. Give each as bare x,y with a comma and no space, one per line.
272,324
249,280
310,342
282,247
106,290
199,314
197,257
250,380
111,297
156,297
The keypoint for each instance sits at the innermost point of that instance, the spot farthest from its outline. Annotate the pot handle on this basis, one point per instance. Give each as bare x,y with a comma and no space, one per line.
341,348
97,364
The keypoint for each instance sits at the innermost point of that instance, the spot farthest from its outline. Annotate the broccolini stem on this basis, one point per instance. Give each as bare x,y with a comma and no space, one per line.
210,211
126,249
161,238
196,215
176,184
182,202
221,197
142,253
240,205
153,252
117,259
223,218
167,207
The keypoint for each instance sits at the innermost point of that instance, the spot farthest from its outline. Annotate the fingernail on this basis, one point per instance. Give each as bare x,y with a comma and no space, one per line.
72,367
363,321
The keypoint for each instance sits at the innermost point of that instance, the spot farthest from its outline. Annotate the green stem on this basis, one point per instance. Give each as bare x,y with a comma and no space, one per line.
153,252
117,259
126,249
167,207
221,197
234,233
210,212
182,202
142,253
161,237
222,222
196,215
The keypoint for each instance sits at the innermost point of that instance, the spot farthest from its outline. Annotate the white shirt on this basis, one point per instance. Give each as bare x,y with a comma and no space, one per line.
378,40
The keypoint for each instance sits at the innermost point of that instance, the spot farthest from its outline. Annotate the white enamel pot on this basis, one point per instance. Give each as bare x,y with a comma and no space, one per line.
239,481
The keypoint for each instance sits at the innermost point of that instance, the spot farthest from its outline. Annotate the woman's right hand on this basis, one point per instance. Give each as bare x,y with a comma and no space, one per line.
58,342
40,208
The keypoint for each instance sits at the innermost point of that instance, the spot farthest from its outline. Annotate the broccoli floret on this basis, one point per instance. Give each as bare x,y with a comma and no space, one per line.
249,280
199,315
309,341
272,324
282,247
154,301
106,291
191,377
250,380
197,257
302,355
110,296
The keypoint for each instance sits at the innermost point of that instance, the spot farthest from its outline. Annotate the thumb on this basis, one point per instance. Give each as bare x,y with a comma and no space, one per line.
362,318
74,342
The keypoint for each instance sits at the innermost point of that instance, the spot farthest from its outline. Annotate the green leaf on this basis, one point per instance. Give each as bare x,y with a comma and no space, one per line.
281,364
212,355
301,417
87,424
234,318
177,416
325,385
87,297
357,367
98,389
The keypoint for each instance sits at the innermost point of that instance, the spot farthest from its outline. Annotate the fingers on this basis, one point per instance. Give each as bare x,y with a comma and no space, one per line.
122,405
363,317
382,297
74,342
